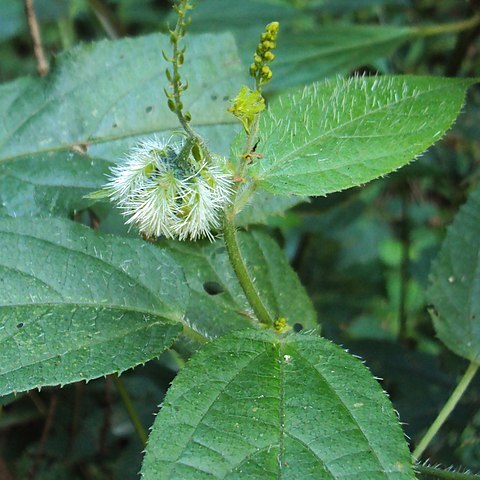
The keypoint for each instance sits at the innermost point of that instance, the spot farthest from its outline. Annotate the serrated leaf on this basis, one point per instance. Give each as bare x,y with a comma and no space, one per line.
217,303
339,134
255,405
76,304
455,283
56,344
73,131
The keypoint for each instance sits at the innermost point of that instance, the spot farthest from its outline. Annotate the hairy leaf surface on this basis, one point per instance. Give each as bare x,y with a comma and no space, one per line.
96,104
339,134
73,300
255,405
455,283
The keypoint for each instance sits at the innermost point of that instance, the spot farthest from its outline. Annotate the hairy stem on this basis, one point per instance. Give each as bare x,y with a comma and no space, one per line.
447,409
177,86
132,413
244,278
454,27
444,474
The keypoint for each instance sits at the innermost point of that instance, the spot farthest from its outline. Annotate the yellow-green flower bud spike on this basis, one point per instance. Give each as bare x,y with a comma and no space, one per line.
259,69
247,104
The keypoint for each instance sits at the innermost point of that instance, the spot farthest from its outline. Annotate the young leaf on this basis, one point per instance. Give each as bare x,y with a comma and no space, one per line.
256,405
455,283
217,304
62,124
71,297
339,134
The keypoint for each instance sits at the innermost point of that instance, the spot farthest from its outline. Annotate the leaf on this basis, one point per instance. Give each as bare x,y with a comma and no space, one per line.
217,303
264,206
57,344
95,105
76,304
255,405
50,183
343,133
455,283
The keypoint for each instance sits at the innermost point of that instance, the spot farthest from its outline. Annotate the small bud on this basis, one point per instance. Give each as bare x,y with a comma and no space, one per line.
171,105
268,56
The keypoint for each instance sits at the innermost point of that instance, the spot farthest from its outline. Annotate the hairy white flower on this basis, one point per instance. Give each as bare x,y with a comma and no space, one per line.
164,189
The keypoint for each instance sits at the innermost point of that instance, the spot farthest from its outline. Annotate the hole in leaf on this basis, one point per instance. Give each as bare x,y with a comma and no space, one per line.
298,327
213,288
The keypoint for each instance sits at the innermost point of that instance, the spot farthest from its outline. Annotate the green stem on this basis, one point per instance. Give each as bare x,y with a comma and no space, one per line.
447,409
444,474
244,278
178,34
106,18
132,413
448,27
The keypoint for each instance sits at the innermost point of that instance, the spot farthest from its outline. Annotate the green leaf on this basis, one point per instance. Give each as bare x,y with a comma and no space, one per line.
57,344
255,405
217,303
265,206
455,283
59,134
50,183
339,134
76,304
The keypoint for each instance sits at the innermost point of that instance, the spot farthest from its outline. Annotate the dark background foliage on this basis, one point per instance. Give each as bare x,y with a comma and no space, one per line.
364,255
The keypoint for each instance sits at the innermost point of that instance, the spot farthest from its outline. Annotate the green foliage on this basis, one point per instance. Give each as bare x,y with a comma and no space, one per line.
455,283
343,133
72,299
217,304
72,131
257,398
244,408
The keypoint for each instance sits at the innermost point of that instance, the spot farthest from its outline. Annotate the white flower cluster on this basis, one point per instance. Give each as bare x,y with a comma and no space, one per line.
164,190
